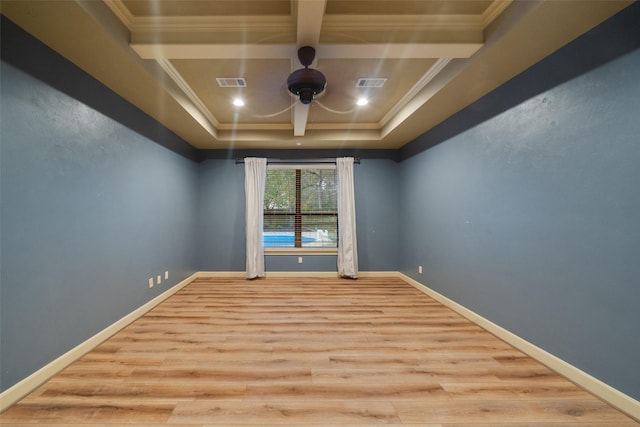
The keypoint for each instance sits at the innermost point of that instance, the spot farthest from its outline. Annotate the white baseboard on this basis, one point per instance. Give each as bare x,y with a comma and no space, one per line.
35,380
614,397
205,274
332,274
605,392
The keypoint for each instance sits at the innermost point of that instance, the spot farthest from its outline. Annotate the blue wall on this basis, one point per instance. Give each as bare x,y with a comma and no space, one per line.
377,199
221,216
89,212
531,220
221,220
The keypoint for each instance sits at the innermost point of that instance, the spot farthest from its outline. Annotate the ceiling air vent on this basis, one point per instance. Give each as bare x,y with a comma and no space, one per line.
231,82
370,82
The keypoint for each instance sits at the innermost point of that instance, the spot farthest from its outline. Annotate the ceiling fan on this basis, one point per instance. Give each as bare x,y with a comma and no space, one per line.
305,84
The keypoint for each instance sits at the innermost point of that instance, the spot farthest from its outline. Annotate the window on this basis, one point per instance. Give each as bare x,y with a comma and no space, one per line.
300,207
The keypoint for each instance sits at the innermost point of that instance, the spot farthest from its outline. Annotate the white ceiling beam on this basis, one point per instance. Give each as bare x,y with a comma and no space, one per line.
442,77
194,106
431,73
279,136
398,50
309,24
289,51
214,51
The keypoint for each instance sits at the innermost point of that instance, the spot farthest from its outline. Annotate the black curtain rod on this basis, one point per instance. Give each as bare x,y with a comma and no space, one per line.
356,160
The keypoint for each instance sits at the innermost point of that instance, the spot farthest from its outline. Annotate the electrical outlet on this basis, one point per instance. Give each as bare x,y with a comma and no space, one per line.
159,279
151,282
166,275
420,269
299,260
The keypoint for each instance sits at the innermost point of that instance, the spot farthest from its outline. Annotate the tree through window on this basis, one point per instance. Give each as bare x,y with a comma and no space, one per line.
300,207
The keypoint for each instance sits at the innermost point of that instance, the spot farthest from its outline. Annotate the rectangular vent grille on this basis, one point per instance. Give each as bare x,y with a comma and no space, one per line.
370,82
231,82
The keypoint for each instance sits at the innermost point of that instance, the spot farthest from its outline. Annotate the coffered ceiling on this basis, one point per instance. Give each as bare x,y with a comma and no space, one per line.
433,58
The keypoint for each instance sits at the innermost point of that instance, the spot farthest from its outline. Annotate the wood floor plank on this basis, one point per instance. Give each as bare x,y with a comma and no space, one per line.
377,392
286,412
391,376
510,411
545,424
307,351
515,390
147,390
85,412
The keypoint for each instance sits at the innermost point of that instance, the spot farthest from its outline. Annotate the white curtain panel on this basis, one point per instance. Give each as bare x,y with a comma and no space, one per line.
347,243
255,175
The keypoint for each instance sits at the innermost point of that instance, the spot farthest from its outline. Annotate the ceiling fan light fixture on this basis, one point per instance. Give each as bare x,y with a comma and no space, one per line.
362,101
306,95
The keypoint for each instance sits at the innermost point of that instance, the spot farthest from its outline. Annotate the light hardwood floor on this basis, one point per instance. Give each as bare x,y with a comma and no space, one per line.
311,351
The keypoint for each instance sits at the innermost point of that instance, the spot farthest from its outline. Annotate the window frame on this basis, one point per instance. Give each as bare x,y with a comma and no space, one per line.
301,250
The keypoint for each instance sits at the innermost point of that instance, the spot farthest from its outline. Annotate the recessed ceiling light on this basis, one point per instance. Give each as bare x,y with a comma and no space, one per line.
362,101
238,102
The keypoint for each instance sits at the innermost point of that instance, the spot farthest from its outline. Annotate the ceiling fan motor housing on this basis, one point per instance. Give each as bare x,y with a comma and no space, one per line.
306,82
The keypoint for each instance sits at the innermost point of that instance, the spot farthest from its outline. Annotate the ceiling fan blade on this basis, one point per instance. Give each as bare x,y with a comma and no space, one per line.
331,110
266,116
300,117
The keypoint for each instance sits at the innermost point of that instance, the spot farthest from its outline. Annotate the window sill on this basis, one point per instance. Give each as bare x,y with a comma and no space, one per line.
300,251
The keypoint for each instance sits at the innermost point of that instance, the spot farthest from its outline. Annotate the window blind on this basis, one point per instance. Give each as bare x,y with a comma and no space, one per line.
300,208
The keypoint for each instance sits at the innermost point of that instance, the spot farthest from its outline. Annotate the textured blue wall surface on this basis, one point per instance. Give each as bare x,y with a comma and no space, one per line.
90,210
531,220
222,215
377,225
